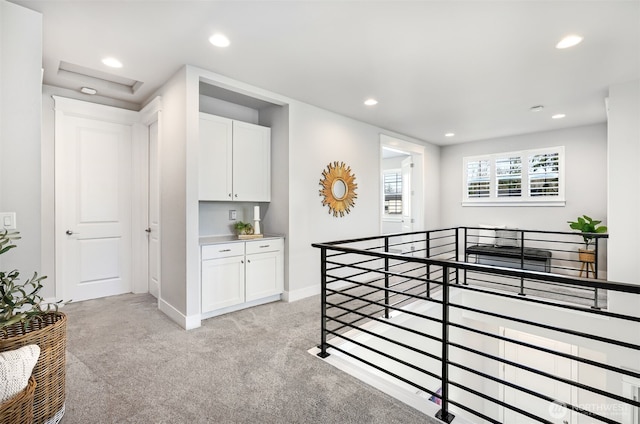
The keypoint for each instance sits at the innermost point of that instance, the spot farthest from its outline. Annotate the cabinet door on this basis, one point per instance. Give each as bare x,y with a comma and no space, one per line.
215,158
264,275
251,162
222,283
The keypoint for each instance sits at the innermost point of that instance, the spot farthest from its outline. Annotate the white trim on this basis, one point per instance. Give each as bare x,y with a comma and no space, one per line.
82,109
292,296
262,301
186,322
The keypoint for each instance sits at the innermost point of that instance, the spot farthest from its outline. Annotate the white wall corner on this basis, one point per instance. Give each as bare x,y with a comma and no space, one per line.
184,321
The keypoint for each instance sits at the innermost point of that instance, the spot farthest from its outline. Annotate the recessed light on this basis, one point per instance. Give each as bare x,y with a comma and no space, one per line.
449,134
219,40
88,90
371,102
112,62
569,41
536,108
558,116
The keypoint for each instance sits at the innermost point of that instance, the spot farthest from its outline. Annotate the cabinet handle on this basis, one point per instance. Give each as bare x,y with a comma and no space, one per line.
248,261
229,194
236,196
264,245
225,250
241,261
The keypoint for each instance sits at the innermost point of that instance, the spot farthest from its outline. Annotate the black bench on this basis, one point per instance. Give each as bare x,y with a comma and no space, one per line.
511,257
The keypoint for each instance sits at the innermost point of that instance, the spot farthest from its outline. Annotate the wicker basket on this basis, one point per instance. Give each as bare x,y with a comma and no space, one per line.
19,409
49,331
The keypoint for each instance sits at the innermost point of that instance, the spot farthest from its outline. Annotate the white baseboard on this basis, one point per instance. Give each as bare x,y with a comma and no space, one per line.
292,296
184,321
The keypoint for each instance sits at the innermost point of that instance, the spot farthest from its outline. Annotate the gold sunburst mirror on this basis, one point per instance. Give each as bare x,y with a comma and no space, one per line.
338,188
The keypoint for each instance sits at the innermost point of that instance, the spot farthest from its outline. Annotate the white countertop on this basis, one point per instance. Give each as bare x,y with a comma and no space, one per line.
229,238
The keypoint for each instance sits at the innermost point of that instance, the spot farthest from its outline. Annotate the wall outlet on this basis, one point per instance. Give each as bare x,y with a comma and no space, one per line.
8,220
233,215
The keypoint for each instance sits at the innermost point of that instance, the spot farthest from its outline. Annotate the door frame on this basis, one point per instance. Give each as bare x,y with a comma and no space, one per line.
150,114
66,107
417,153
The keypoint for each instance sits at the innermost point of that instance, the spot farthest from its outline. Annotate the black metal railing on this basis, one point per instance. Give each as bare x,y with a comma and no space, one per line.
402,305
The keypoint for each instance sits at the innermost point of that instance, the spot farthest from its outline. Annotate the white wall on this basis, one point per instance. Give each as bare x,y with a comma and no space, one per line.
624,196
585,176
172,195
317,138
20,124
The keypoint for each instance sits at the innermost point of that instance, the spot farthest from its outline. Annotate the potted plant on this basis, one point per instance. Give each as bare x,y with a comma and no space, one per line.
588,227
243,228
25,321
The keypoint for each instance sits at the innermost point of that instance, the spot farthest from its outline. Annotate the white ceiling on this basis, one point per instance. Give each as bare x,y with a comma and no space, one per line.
469,67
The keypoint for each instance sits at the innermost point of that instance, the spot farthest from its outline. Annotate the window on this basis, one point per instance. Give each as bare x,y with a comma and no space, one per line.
516,178
393,192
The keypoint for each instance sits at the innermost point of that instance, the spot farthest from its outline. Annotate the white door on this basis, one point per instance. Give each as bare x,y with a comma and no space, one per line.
93,207
555,365
154,212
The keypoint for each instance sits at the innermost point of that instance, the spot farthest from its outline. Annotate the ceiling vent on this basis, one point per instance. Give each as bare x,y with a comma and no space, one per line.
101,81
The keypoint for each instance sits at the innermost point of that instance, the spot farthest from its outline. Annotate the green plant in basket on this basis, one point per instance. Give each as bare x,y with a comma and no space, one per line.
19,301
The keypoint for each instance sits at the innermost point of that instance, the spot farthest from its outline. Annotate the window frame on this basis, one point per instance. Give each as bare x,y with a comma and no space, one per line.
398,172
525,198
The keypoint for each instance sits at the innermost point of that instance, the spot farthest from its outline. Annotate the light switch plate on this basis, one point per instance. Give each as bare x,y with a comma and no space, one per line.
8,220
232,215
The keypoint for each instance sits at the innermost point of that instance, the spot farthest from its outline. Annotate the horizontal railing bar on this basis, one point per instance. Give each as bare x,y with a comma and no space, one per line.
384,289
368,270
496,401
393,324
544,374
549,351
622,287
549,327
474,412
379,368
552,400
395,342
576,308
528,391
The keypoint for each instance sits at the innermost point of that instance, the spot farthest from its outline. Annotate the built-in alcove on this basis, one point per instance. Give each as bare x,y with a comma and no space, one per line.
214,218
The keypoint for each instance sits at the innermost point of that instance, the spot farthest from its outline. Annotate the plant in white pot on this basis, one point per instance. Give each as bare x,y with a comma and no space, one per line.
588,227
25,320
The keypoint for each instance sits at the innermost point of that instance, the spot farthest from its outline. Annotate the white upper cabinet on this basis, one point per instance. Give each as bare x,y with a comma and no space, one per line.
235,160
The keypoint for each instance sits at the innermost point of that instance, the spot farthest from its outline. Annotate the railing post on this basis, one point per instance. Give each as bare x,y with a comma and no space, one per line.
595,290
521,262
466,257
443,414
386,278
323,302
458,254
428,255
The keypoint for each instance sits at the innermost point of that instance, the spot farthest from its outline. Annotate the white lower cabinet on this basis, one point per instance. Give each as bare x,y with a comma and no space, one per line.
240,274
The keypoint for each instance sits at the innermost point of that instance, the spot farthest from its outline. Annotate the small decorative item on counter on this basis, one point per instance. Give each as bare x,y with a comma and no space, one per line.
243,228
